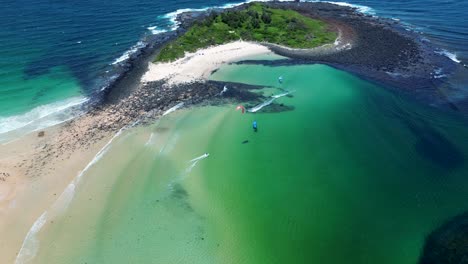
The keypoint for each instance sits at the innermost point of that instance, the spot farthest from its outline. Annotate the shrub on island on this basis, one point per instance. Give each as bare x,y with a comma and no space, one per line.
257,22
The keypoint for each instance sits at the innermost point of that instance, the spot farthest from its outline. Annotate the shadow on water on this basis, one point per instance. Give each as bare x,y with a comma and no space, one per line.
430,143
278,108
79,69
433,145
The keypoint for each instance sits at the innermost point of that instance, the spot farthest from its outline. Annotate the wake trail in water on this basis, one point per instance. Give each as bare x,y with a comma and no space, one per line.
204,156
150,139
195,161
268,102
172,109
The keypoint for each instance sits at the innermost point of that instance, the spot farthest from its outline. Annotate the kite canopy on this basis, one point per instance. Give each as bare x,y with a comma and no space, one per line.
240,107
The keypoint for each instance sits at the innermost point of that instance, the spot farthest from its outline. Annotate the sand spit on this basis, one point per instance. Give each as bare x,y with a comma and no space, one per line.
36,169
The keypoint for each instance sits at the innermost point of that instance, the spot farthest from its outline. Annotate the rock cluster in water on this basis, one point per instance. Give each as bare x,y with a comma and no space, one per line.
448,244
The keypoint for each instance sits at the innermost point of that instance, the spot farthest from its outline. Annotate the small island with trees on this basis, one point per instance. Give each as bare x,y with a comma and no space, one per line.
257,22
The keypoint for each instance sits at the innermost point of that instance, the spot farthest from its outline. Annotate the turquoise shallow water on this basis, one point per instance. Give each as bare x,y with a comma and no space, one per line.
53,52
350,174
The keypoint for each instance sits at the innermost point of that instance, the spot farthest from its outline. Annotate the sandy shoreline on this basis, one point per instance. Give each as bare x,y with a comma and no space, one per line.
35,170
199,65
38,174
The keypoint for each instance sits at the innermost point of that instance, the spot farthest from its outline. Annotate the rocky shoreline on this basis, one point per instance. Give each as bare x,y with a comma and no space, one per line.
380,50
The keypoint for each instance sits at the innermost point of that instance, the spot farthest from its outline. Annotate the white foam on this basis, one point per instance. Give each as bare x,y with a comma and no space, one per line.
30,245
360,8
225,89
260,106
150,140
204,156
449,55
155,30
67,195
41,117
268,102
195,161
126,55
170,145
172,109
438,73
280,95
172,16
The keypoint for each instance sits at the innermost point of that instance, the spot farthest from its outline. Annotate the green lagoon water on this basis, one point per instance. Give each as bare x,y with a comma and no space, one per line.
352,174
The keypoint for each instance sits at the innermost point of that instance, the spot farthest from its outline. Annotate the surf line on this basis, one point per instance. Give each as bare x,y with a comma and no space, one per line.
268,102
30,245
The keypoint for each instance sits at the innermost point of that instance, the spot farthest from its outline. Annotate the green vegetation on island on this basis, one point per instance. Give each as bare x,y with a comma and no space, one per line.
257,22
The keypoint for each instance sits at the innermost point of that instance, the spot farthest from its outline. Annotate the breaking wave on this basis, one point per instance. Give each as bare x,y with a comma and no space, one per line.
30,245
360,8
155,30
449,55
126,55
40,117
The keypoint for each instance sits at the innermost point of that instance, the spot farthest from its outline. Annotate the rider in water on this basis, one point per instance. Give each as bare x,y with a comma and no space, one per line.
254,125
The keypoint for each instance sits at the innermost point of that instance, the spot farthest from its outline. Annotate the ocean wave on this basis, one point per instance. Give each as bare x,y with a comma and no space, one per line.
172,16
41,116
126,55
30,245
438,73
155,30
360,8
174,24
449,55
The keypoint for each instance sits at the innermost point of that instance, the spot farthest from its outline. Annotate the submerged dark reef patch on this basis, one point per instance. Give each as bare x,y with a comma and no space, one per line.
448,244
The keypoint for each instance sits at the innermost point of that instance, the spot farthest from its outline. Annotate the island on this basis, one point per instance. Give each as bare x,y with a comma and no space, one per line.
257,23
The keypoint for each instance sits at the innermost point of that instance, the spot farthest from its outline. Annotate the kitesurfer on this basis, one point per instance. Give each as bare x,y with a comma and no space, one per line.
241,107
254,125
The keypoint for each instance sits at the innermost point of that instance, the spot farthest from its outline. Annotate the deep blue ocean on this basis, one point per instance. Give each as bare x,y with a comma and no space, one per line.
56,54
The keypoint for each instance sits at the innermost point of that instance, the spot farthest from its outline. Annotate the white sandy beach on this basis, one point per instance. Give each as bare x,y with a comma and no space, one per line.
199,65
36,170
